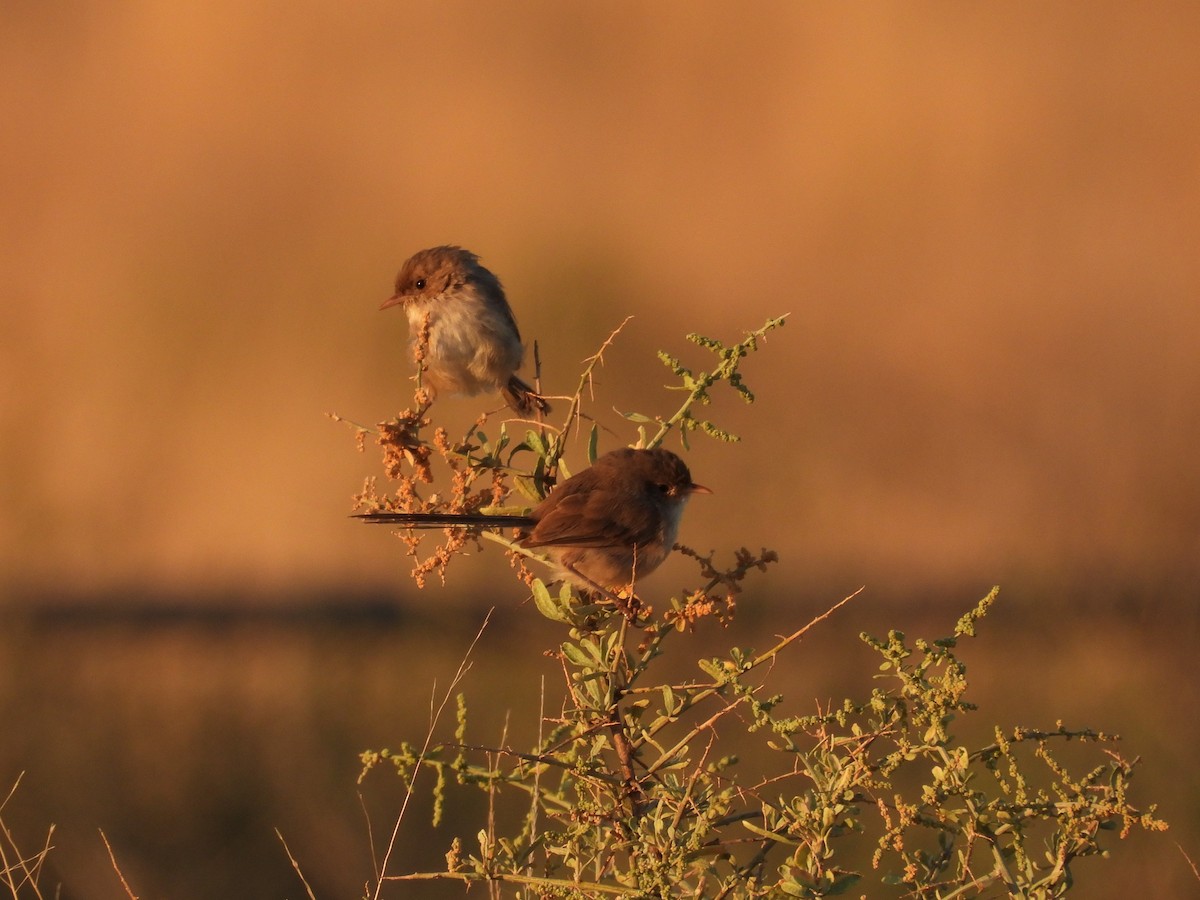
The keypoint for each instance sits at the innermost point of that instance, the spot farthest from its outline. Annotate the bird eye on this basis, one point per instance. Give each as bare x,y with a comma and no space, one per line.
420,284
663,488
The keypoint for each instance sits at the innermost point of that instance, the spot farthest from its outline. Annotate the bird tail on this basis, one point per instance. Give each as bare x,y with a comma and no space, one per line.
445,520
522,398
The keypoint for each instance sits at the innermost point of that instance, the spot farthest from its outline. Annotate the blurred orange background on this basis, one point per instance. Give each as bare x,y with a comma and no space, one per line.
984,221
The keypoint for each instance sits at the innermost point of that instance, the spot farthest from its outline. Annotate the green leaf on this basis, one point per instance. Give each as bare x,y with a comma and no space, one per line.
770,835
505,510
841,883
593,441
527,485
576,656
534,441
547,605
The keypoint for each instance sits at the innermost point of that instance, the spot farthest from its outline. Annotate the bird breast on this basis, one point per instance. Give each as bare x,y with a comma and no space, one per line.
472,345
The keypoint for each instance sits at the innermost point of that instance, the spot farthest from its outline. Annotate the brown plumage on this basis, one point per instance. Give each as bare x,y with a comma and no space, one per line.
474,343
609,525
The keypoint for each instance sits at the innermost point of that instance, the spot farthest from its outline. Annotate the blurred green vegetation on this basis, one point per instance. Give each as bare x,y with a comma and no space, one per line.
188,739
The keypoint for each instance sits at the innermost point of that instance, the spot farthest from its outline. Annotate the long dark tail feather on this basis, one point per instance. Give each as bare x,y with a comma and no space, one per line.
522,398
445,520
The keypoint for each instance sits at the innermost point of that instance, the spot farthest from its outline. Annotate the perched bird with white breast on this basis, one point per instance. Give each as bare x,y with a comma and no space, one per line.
474,345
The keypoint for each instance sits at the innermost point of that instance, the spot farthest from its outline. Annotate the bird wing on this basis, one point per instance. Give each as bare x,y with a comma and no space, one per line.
586,520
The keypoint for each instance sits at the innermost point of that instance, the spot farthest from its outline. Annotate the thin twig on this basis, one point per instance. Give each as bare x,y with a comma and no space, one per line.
1195,871
11,791
585,381
352,424
435,715
725,371
29,868
683,741
757,661
579,888
370,835
537,772
796,635
113,859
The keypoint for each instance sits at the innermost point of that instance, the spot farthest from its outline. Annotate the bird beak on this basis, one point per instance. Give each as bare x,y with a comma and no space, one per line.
698,489
392,301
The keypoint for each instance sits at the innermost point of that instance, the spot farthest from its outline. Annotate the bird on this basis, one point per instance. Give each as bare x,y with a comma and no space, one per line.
604,527
474,344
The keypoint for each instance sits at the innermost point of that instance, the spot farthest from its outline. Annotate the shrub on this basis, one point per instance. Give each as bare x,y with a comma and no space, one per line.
634,788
